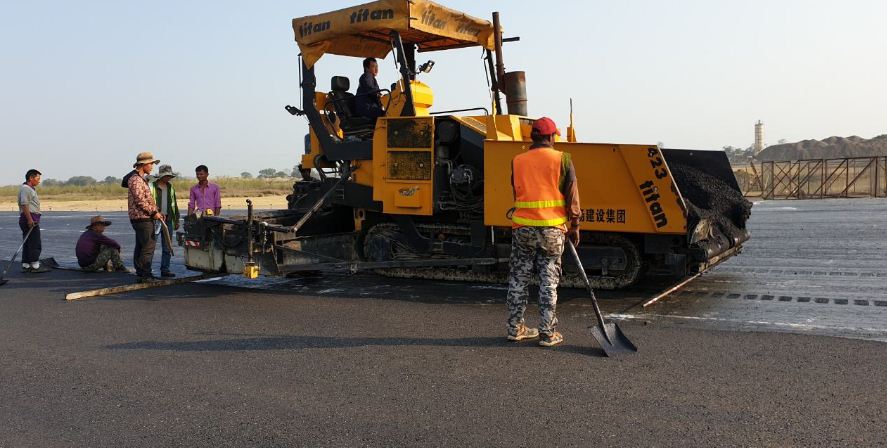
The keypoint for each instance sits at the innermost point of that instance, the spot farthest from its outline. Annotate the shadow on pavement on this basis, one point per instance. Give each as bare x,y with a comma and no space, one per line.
323,342
58,283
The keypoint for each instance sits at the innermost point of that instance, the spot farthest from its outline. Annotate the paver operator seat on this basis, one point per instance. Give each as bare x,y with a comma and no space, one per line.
343,104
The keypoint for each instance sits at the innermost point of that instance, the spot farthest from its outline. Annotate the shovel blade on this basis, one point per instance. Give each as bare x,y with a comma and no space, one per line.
612,340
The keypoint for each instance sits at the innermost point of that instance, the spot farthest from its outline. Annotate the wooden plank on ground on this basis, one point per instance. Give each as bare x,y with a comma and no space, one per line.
93,293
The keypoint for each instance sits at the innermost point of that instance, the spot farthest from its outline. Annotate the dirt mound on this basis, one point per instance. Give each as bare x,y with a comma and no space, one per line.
830,148
708,197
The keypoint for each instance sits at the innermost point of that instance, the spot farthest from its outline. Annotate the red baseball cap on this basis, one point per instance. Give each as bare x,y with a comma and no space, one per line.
545,126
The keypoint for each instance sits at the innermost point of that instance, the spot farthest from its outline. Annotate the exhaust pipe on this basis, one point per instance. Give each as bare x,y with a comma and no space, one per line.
516,93
512,84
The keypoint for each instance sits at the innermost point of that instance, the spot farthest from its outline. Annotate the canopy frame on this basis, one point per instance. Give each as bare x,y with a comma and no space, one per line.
363,30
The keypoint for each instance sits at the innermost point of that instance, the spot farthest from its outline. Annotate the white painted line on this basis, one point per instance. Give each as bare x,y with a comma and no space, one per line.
806,326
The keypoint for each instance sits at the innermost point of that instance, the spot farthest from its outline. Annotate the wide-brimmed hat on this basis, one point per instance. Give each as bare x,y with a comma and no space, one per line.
164,170
98,220
145,157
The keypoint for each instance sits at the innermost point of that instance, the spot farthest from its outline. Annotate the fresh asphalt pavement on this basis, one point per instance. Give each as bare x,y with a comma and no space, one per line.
370,361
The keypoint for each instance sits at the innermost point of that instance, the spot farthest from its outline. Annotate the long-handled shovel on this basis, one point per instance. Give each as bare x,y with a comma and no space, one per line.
611,339
3,280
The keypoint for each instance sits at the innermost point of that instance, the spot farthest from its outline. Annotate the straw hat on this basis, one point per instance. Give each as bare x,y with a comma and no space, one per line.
145,157
98,220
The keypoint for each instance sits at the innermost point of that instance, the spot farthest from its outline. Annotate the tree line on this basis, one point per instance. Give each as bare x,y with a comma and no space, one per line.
83,181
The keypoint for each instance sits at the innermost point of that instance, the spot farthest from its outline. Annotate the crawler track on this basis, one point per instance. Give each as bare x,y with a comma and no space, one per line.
383,242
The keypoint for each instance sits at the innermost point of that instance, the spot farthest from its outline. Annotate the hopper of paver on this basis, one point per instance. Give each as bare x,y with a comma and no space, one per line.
717,211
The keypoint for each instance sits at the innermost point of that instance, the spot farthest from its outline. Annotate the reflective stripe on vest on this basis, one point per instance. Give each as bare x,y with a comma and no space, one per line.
538,200
539,222
539,204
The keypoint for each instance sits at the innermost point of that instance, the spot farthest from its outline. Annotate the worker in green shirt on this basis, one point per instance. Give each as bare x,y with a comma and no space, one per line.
165,195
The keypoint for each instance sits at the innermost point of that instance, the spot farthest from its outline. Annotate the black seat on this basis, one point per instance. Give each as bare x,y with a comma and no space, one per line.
343,104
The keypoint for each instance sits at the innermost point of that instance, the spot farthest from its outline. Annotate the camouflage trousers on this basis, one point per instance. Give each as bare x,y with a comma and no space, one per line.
106,255
534,250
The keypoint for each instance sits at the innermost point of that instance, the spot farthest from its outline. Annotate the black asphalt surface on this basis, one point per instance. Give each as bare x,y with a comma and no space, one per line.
369,361
811,267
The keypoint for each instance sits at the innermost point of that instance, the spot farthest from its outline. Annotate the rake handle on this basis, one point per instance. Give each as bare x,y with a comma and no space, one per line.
167,237
12,260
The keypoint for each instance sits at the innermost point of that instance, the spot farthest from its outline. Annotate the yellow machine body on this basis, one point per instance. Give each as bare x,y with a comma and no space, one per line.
423,99
622,188
403,162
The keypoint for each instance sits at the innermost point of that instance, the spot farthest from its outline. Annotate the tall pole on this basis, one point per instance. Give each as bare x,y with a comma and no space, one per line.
497,45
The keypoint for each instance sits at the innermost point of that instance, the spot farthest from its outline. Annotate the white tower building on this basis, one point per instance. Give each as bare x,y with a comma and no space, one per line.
759,137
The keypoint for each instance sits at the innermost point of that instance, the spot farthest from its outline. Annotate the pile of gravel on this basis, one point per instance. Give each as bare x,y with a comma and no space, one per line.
708,197
830,148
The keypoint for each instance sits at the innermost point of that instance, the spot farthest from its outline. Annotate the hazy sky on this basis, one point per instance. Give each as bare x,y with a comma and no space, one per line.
86,85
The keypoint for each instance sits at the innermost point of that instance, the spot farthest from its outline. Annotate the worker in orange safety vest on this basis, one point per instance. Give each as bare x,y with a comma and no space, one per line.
546,210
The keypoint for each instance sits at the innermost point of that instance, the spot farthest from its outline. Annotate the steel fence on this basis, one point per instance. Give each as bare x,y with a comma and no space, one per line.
815,178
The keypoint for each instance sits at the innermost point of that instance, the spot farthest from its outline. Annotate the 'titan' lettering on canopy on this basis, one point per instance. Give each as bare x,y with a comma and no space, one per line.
468,28
308,28
363,15
428,18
